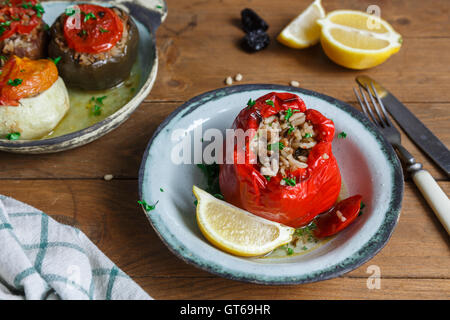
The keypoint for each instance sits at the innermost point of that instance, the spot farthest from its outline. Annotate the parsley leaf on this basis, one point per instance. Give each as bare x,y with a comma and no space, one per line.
289,114
342,135
13,136
211,172
269,102
147,207
56,60
276,146
70,12
291,128
290,181
15,82
88,16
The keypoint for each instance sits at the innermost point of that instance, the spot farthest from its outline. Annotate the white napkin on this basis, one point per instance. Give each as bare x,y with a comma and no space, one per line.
43,259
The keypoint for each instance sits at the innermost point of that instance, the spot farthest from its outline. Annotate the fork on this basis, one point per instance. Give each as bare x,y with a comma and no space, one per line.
433,194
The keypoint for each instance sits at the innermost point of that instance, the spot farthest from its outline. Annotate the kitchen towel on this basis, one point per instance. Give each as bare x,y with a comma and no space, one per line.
43,259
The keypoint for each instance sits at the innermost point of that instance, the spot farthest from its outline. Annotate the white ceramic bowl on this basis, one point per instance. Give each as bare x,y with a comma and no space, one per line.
368,164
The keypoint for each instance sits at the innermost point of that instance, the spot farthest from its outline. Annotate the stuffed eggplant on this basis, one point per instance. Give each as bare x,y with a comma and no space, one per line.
96,46
33,98
22,31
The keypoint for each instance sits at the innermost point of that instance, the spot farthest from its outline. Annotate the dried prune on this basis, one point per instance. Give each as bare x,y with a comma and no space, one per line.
256,40
252,22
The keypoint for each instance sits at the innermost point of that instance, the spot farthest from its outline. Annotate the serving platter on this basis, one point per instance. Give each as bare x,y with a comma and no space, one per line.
368,164
148,15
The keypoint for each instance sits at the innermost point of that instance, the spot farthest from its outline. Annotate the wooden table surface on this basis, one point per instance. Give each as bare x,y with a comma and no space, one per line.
198,48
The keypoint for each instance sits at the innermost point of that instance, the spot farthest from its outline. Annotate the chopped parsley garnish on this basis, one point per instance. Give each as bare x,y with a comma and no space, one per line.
103,30
46,27
13,136
275,146
70,12
290,181
88,16
269,102
304,248
289,114
39,10
161,189
307,135
342,135
96,110
211,172
147,207
98,103
27,5
159,7
306,231
3,58
15,82
268,178
219,196
100,99
361,207
3,26
195,202
291,128
251,103
289,251
56,60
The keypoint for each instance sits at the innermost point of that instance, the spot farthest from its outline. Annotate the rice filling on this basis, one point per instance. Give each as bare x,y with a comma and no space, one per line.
283,142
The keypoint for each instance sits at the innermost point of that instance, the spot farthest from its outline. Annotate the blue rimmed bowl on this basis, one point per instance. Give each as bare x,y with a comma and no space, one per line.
368,164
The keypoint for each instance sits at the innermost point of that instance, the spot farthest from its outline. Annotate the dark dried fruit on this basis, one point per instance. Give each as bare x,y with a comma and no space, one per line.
252,22
256,40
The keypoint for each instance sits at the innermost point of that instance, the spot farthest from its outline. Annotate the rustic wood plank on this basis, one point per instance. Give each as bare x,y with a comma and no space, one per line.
335,289
188,67
108,213
189,51
120,152
411,18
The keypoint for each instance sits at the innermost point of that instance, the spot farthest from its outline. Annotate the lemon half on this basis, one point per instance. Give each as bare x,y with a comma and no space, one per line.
358,40
235,230
303,31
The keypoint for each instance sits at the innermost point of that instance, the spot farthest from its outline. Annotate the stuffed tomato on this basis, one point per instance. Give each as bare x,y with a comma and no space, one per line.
96,46
22,31
33,98
289,174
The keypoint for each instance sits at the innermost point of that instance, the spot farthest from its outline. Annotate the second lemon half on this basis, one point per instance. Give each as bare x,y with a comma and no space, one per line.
357,40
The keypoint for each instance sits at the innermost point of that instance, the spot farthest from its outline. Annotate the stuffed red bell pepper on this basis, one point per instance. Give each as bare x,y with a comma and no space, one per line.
289,173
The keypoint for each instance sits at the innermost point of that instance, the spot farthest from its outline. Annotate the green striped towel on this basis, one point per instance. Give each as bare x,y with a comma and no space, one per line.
43,259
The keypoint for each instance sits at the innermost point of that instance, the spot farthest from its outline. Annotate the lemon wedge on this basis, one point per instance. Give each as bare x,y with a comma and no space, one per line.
303,31
235,230
358,40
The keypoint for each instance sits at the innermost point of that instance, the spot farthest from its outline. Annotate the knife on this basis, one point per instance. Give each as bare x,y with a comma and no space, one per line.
414,128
